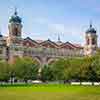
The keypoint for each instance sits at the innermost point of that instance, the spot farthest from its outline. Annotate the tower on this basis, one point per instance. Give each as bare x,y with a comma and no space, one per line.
14,41
91,41
15,28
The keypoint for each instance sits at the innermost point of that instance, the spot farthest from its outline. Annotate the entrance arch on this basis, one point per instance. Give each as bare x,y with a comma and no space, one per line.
37,60
52,60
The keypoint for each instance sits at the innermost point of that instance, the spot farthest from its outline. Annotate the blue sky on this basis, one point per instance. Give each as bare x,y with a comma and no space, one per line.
43,19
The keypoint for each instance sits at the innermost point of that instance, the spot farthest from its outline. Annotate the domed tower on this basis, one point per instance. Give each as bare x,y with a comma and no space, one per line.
91,41
15,28
14,41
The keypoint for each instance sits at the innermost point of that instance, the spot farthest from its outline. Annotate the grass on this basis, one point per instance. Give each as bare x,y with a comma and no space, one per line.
49,92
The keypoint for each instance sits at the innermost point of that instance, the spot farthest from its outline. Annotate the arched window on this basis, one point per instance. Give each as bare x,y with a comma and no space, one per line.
93,41
16,31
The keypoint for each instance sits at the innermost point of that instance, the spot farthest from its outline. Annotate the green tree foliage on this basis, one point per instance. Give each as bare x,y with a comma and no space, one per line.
79,69
60,69
4,71
47,73
96,67
25,69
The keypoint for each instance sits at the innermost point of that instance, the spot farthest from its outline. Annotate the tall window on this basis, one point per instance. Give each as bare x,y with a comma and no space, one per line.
16,31
93,41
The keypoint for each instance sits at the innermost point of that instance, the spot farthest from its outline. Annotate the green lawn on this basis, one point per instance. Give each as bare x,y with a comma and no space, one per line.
50,92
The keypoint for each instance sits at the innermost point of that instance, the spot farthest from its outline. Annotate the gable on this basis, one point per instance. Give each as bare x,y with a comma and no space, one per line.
49,44
68,45
29,42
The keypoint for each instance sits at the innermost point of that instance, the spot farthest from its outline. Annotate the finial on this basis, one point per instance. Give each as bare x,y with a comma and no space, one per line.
15,11
90,24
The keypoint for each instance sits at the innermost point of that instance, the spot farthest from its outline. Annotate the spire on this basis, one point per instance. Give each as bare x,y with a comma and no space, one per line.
59,40
58,37
15,13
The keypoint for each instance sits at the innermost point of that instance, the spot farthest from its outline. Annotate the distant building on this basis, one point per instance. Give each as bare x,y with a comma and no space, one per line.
44,52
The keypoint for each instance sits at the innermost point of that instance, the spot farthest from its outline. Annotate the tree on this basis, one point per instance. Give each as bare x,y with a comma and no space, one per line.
60,69
4,71
47,73
96,67
25,69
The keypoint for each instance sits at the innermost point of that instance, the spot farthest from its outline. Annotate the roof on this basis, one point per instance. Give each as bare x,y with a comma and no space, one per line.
15,18
91,30
54,44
